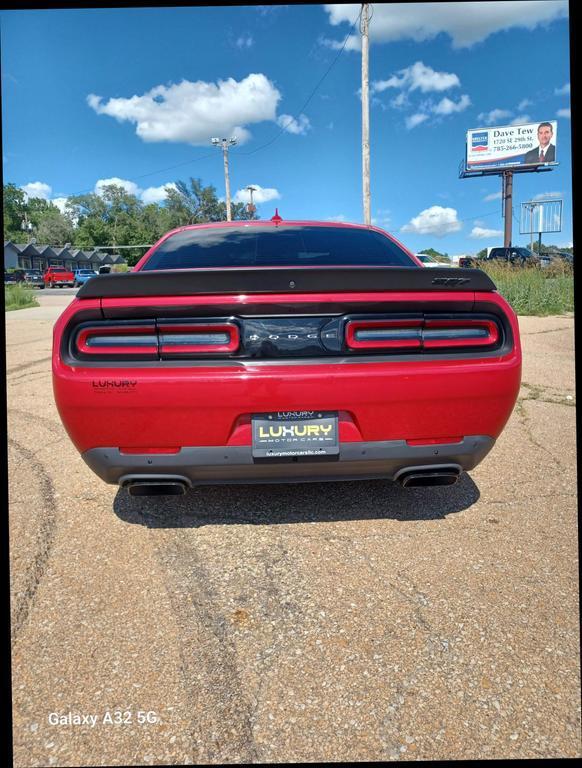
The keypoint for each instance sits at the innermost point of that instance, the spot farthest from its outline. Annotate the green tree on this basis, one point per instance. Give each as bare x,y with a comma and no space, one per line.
89,214
194,203
53,228
49,225
14,206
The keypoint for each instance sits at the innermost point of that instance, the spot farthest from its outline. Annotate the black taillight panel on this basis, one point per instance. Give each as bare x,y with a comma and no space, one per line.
370,335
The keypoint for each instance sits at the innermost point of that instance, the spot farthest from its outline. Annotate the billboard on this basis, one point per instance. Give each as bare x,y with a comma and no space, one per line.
511,146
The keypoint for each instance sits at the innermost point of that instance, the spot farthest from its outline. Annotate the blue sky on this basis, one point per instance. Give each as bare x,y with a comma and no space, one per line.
92,95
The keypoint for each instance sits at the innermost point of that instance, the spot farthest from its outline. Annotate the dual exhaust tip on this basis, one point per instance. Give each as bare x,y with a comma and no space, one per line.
409,477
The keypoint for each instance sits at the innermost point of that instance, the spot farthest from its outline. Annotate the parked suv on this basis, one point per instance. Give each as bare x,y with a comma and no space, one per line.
513,255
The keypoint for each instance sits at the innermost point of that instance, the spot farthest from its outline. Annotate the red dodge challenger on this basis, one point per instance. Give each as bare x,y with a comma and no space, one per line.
284,351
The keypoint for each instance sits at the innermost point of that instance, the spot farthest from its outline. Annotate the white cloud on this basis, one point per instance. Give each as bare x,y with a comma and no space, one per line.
465,23
291,125
340,217
60,202
156,194
260,195
482,233
244,41
435,220
193,112
129,186
520,120
447,107
564,113
382,218
492,196
418,77
352,44
563,91
495,116
37,189
401,101
544,195
523,104
414,120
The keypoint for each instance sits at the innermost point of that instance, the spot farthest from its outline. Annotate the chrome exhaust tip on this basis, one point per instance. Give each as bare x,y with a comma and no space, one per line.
156,488
422,477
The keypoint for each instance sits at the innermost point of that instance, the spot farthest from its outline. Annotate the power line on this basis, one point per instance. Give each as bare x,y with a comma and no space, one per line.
151,173
311,95
263,146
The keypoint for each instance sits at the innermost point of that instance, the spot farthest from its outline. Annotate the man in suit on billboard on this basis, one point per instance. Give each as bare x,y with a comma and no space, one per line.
546,152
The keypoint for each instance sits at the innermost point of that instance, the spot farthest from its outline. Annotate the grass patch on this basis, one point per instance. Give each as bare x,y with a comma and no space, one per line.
532,290
18,297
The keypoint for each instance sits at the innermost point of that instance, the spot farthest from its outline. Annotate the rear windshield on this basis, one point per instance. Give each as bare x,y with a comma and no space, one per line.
251,245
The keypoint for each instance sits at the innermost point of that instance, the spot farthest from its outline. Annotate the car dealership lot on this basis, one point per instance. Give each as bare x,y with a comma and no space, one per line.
337,621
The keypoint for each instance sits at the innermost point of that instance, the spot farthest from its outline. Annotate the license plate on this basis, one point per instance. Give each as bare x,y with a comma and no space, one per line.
285,434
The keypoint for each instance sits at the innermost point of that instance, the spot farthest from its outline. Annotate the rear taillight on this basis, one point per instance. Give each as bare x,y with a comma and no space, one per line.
125,339
430,333
459,333
191,338
383,334
155,340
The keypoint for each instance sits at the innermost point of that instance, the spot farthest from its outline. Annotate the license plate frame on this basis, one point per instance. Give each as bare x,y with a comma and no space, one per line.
283,435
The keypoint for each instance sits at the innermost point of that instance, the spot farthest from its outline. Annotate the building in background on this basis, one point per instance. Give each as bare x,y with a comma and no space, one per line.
33,256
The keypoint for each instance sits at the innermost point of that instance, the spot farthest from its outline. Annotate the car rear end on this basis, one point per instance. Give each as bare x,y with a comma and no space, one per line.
281,372
34,279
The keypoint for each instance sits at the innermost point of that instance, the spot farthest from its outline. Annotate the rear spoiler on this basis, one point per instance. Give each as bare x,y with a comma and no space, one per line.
188,282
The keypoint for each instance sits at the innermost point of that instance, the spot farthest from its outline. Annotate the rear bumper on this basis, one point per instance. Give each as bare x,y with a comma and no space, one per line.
235,464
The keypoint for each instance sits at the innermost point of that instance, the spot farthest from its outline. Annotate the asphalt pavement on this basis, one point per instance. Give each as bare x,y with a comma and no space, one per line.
318,622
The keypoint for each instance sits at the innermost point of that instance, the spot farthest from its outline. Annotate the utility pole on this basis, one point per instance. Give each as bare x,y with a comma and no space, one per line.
365,115
225,144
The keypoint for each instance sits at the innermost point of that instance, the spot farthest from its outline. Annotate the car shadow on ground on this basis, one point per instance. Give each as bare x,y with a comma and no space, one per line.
295,503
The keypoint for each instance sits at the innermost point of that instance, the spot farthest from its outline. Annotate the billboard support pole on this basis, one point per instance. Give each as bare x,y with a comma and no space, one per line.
507,196
364,28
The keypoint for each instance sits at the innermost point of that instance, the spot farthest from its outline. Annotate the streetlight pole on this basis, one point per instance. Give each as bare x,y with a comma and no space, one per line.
365,115
225,144
26,225
251,208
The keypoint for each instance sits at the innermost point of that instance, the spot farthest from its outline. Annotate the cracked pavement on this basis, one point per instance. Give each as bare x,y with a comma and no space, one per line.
317,622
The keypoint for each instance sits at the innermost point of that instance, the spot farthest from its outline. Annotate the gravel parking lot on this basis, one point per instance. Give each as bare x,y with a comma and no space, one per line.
336,622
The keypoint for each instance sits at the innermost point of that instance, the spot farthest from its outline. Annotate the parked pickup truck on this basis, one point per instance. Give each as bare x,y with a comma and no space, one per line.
57,277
